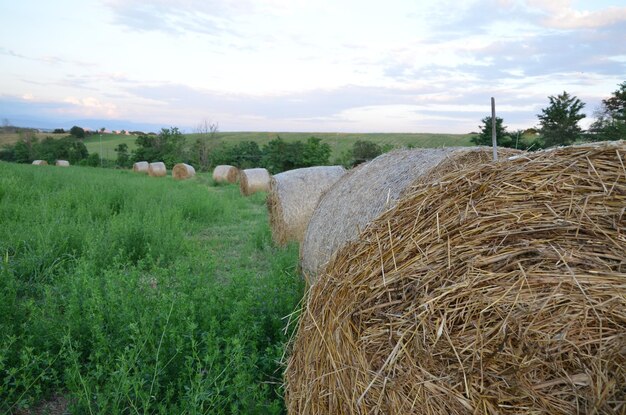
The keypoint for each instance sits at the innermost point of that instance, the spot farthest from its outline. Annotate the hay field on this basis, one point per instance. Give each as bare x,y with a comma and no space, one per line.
136,295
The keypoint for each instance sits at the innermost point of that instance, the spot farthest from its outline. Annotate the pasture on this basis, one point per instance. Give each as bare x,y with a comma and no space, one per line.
123,293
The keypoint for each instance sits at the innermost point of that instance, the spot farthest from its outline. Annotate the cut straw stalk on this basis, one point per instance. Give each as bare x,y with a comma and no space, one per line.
141,167
497,290
157,169
182,171
226,174
293,196
254,180
370,189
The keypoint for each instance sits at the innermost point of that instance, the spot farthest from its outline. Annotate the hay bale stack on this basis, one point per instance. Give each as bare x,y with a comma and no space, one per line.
157,169
62,163
254,180
226,174
498,290
370,189
293,196
40,163
183,171
141,167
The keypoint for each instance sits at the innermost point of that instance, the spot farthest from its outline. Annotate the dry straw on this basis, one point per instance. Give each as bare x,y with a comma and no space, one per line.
293,196
225,174
370,189
141,167
157,169
62,163
183,171
497,290
40,163
254,180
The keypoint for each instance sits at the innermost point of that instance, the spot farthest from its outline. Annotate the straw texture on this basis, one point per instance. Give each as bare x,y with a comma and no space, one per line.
293,196
225,174
370,189
141,167
62,163
157,169
497,290
183,171
254,180
40,163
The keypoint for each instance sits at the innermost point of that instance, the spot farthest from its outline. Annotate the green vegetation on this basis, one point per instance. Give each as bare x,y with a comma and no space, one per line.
610,121
126,294
339,142
559,121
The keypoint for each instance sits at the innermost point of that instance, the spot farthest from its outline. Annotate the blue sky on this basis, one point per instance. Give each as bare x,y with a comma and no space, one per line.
304,65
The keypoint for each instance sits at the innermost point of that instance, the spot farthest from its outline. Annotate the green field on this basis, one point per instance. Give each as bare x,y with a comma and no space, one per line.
126,294
105,144
341,142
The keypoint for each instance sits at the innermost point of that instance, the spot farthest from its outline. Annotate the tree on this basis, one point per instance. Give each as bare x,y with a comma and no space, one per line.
484,137
364,150
279,155
610,123
168,146
123,158
559,121
77,132
25,149
206,141
315,152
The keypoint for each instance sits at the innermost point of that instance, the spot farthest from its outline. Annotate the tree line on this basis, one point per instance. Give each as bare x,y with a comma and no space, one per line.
558,124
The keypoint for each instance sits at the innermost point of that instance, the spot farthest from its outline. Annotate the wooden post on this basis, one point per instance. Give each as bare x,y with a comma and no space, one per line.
493,129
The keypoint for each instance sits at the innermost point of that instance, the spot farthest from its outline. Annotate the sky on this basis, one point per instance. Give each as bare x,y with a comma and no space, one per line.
304,65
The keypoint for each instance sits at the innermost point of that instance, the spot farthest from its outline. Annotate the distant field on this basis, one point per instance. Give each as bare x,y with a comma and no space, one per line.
339,142
11,138
106,146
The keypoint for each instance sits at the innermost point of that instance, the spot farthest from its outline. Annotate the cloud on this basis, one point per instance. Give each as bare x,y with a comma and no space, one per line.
559,14
48,59
89,107
209,17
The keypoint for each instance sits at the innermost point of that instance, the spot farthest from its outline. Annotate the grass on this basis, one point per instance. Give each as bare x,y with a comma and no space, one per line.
125,294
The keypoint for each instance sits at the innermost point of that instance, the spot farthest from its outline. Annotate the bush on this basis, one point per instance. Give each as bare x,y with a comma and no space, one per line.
364,150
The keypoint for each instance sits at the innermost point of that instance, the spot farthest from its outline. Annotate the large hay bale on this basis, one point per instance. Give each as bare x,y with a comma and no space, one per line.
157,169
62,163
254,180
40,163
370,189
141,167
293,196
183,171
497,290
226,174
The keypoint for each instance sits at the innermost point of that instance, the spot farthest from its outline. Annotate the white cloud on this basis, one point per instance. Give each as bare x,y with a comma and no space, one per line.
89,107
561,15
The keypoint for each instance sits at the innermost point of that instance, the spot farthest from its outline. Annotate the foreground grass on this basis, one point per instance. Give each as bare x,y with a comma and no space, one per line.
128,294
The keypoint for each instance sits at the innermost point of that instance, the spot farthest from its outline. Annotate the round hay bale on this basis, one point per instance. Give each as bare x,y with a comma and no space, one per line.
183,171
62,163
157,169
40,163
141,167
293,196
499,290
370,189
254,180
226,174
